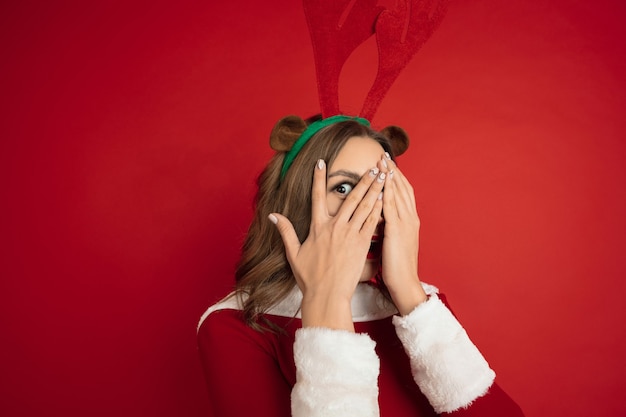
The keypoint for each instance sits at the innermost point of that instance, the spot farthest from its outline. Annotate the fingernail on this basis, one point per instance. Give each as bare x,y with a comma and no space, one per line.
273,218
387,155
374,172
381,177
391,174
380,196
320,164
384,163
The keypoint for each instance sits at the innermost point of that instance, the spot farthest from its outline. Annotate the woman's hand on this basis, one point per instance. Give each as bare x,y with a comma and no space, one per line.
328,264
401,240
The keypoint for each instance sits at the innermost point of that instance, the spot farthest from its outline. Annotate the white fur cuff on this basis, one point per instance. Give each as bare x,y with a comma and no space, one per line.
446,365
336,374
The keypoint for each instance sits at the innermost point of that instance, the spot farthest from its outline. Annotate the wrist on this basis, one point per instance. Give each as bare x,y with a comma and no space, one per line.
330,311
407,298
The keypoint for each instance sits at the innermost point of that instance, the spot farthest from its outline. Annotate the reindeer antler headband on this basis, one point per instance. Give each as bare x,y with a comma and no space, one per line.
338,27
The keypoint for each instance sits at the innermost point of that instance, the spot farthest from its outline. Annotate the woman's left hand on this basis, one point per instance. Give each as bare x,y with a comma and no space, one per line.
401,240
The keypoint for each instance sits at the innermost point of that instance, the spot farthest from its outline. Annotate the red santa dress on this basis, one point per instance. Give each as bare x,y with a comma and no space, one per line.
422,364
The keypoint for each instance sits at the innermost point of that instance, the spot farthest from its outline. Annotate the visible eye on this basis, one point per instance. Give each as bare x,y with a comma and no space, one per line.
344,188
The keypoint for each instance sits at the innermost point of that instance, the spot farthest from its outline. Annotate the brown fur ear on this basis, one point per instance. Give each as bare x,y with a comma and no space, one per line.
398,138
286,132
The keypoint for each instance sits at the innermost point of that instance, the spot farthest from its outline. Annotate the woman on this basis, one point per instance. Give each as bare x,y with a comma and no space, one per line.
329,316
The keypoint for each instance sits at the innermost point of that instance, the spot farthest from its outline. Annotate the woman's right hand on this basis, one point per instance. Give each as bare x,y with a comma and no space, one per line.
328,264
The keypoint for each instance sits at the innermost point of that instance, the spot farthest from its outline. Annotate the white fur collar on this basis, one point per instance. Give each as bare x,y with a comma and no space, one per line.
367,304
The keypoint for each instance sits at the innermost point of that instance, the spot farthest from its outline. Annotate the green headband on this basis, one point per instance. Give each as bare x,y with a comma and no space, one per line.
312,129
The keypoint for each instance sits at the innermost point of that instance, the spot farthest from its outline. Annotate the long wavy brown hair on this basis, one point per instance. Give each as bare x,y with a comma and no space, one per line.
263,276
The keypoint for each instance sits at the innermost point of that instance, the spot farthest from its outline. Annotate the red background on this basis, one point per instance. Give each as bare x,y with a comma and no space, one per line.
131,134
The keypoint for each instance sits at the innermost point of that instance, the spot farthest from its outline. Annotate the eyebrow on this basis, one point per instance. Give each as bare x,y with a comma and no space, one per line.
350,174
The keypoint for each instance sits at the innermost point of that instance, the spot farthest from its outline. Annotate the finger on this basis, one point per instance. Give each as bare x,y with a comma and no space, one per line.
371,222
366,205
352,201
386,163
405,195
319,209
287,234
390,206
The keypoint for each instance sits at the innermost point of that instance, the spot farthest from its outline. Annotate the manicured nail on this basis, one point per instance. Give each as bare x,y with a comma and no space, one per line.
380,196
374,172
273,218
387,155
381,177
320,164
384,163
391,174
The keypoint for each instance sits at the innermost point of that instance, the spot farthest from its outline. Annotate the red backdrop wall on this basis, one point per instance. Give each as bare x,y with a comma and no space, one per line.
131,134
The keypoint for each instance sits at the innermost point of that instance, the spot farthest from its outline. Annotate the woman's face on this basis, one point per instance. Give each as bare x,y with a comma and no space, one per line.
356,158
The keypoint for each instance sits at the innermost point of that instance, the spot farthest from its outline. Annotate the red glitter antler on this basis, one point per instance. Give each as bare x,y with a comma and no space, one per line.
338,27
